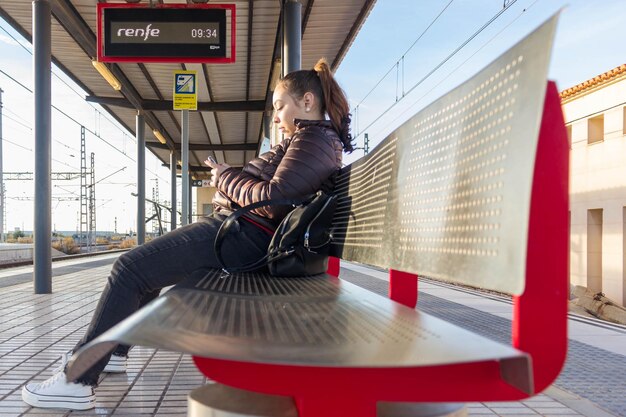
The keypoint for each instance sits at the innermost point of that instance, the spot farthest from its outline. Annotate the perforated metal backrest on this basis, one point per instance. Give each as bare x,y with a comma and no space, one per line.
447,194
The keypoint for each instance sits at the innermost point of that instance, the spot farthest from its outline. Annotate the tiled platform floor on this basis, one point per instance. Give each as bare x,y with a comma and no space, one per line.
36,329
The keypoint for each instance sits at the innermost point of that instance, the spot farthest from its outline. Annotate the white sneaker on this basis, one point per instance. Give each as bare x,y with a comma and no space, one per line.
56,392
117,364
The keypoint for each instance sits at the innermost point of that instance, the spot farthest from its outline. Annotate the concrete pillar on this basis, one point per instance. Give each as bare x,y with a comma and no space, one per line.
42,254
141,179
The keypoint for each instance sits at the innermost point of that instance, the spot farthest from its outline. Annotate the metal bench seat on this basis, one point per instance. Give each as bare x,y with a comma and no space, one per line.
309,321
473,190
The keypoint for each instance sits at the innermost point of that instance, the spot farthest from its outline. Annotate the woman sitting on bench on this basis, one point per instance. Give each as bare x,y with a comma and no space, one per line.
300,165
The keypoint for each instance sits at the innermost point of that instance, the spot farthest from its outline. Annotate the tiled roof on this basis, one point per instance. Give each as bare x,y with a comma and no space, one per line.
595,82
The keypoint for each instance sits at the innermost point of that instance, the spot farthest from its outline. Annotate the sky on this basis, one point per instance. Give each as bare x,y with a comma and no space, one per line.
114,150
589,41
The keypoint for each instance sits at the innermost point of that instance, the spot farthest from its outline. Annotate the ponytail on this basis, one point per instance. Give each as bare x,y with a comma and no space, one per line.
332,98
335,103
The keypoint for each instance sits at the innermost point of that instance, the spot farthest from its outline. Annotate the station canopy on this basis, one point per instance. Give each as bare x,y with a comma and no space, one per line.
232,98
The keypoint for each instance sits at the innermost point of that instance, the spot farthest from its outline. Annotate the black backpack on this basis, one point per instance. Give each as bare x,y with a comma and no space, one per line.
300,244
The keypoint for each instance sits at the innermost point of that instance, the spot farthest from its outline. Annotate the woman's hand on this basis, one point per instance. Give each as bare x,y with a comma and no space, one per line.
216,170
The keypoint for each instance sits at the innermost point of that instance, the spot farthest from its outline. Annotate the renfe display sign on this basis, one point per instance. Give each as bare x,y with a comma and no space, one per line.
165,33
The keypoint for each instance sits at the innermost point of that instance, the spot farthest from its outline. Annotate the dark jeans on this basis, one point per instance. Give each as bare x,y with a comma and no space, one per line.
138,276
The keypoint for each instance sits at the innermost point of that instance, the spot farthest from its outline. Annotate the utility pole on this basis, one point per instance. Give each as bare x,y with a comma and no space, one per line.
84,215
92,205
155,197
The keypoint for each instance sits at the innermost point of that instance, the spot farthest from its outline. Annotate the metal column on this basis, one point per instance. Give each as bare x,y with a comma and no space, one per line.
292,36
267,125
42,255
190,200
2,201
141,179
173,164
184,126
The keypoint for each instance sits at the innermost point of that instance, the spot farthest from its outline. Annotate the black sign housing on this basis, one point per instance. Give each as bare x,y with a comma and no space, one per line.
164,32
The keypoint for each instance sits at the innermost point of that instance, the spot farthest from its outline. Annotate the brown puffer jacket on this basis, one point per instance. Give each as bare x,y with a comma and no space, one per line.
295,168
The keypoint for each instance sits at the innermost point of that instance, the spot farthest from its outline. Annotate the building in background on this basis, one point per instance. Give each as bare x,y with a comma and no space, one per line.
595,116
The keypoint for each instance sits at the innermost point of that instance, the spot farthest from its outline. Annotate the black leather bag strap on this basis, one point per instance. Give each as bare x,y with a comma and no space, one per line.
232,218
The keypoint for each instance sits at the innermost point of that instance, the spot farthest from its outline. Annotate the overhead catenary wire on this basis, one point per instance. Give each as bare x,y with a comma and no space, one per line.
394,66
4,139
82,125
68,116
30,150
30,128
99,113
66,164
394,120
66,190
67,146
7,109
431,72
110,175
78,93
17,121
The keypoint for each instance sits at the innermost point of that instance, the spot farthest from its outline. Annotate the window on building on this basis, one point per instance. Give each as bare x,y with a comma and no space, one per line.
569,135
595,129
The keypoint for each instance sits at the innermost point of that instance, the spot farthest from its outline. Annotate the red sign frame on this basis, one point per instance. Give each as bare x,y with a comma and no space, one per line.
195,60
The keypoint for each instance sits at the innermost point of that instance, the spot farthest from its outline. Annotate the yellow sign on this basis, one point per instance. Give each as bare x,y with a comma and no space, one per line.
185,90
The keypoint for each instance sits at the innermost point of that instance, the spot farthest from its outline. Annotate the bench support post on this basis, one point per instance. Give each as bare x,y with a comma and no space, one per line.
545,294
334,264
403,287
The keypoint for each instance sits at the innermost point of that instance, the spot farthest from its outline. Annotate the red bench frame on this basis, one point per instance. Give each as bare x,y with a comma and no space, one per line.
539,318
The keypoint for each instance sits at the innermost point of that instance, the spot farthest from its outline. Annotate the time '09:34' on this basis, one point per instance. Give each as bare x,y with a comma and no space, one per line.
204,33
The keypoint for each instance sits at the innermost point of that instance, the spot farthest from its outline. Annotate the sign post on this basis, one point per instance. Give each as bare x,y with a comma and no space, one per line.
184,167
185,99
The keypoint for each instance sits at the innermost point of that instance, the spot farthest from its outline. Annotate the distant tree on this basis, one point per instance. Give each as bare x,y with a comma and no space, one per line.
17,234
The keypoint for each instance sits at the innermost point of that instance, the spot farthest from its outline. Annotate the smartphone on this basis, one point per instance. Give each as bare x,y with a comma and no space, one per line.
210,158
